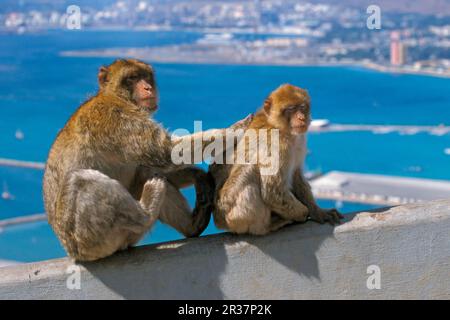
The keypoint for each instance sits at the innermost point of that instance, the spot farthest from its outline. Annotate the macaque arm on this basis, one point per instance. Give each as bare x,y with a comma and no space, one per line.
184,177
280,199
302,190
180,178
145,143
199,140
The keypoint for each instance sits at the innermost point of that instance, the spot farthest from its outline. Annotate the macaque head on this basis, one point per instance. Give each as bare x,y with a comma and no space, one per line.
288,109
132,80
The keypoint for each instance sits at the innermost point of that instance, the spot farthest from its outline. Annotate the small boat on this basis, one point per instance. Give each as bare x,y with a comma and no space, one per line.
19,134
6,195
447,151
320,123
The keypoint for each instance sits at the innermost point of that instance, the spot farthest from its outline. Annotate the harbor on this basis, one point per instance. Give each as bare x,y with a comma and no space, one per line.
21,220
371,189
22,164
324,126
378,189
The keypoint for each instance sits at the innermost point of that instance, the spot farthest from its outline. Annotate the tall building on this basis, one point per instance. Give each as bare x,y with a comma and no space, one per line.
398,50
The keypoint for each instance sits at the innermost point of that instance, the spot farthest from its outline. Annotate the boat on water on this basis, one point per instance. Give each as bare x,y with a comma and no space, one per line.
19,134
320,123
6,195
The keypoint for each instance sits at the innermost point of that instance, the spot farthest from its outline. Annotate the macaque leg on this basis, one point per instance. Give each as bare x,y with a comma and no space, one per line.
153,196
102,216
248,213
176,212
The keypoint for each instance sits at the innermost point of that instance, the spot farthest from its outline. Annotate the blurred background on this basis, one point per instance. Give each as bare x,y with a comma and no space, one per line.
378,75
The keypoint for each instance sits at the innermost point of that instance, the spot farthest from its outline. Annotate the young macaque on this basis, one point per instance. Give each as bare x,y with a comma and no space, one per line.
250,200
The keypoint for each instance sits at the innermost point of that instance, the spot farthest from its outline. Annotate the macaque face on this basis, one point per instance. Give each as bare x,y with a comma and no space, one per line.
142,91
288,109
298,117
132,80
144,95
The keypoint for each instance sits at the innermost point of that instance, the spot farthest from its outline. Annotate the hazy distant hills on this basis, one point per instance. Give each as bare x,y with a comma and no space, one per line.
41,5
417,6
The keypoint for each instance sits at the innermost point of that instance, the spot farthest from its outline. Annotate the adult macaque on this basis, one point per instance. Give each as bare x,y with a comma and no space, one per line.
247,200
109,174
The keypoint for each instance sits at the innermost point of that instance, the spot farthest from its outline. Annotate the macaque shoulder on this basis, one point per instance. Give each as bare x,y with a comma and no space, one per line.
104,117
260,121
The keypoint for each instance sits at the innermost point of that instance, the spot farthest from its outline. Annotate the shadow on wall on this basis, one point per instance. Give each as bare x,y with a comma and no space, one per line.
173,272
192,269
303,260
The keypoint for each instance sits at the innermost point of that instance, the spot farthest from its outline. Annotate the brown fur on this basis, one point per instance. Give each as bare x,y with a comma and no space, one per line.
248,202
109,174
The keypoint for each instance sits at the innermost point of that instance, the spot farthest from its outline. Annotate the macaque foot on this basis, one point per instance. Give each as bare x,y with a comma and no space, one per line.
326,215
153,193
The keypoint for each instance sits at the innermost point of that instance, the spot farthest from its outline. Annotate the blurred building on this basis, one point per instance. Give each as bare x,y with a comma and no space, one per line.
398,50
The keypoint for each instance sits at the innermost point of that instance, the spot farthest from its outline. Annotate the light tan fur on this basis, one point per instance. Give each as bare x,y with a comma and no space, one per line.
247,201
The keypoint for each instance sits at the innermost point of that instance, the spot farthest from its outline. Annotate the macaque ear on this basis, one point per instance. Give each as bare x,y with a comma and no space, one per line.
102,75
267,105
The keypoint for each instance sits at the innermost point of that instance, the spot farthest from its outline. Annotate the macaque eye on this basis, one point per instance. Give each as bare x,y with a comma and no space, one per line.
303,108
291,109
133,77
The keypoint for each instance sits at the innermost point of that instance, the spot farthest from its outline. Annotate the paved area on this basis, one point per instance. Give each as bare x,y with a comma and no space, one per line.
378,189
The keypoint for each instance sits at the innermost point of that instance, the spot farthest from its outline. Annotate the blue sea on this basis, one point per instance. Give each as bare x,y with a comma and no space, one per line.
40,89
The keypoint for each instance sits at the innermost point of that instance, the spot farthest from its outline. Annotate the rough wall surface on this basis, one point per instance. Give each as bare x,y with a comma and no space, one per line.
410,245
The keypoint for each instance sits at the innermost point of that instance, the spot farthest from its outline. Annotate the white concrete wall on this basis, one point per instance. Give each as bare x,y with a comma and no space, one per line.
410,244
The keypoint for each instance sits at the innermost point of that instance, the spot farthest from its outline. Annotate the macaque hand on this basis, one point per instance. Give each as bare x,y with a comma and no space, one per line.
205,188
331,216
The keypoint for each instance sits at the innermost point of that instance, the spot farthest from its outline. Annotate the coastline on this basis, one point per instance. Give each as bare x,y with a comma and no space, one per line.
404,70
188,54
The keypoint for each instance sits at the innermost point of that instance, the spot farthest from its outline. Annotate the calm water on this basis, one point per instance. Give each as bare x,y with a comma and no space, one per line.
39,90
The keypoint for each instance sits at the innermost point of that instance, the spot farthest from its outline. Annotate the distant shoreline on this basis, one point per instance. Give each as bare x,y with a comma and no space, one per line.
176,55
169,55
404,70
